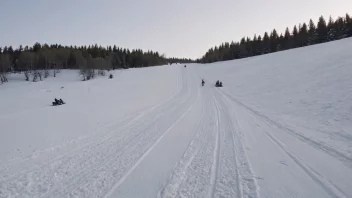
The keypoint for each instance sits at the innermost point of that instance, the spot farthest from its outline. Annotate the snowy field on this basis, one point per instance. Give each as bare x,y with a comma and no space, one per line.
280,127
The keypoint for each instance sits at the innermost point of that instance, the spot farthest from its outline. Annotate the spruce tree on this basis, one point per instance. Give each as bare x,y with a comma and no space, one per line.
332,31
322,30
303,35
295,37
312,33
280,46
287,39
348,25
266,43
260,46
274,41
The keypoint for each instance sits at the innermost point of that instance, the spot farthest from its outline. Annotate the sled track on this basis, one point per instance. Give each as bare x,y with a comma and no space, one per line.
178,173
102,162
146,153
192,174
346,160
215,168
239,181
325,184
215,163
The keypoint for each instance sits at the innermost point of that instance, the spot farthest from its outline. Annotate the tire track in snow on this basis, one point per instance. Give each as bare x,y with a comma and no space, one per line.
325,184
82,141
229,168
227,181
217,152
146,153
236,176
346,160
178,173
193,174
27,165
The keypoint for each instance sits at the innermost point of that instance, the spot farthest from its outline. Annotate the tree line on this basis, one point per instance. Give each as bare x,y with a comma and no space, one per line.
300,36
42,60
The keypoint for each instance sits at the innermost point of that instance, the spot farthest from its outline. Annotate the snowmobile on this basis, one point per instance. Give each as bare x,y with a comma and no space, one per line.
58,102
218,84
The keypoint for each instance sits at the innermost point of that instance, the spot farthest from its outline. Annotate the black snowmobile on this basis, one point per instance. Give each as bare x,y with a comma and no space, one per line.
58,102
218,84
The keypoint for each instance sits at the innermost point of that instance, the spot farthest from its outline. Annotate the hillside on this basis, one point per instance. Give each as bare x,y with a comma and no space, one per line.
280,127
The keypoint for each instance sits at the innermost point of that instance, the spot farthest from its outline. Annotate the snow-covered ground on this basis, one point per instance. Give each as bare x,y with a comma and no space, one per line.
280,127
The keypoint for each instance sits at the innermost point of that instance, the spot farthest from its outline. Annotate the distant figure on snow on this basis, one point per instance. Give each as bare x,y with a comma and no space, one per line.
218,84
58,102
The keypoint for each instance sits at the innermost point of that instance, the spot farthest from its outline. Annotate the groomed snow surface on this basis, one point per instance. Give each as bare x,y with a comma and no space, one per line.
280,127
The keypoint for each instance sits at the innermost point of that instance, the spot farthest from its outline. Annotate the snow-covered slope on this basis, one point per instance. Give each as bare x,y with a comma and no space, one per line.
280,127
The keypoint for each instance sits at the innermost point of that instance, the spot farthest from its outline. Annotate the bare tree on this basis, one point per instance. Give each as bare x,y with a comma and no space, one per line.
91,65
26,59
82,64
108,62
101,64
37,72
5,64
48,55
61,59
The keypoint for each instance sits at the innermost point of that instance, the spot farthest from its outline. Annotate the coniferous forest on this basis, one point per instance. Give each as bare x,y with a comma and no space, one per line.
299,36
42,60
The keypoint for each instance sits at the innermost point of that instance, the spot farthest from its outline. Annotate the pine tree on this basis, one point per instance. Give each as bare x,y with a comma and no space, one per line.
295,37
266,43
281,40
260,45
332,33
322,30
348,26
274,41
287,43
312,33
303,35
255,46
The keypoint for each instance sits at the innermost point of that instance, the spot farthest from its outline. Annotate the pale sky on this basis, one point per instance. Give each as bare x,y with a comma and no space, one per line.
180,28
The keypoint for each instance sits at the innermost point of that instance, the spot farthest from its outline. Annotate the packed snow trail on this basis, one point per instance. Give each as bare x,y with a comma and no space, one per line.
215,163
